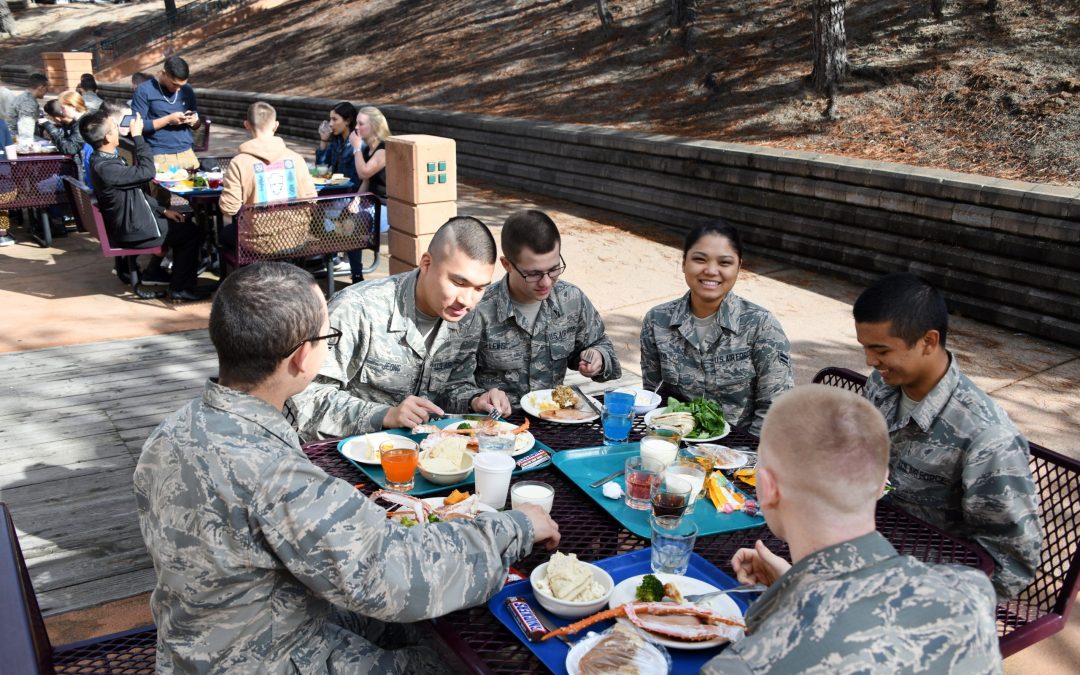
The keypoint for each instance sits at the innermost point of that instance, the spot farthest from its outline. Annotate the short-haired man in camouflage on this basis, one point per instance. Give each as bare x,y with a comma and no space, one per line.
532,325
264,562
711,342
406,351
957,460
848,602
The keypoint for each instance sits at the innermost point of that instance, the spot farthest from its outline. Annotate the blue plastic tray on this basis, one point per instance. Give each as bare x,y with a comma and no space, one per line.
423,487
553,652
588,465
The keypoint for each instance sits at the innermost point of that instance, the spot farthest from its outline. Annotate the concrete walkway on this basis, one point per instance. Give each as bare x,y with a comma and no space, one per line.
66,295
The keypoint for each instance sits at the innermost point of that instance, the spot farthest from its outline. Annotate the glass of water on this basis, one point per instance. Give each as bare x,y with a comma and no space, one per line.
672,543
495,439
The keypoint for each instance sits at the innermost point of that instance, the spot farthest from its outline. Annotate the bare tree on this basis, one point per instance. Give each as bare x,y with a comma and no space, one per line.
170,8
7,20
938,8
606,20
683,12
830,45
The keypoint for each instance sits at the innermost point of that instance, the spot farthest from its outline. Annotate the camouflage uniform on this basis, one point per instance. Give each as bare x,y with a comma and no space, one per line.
262,558
743,364
860,607
381,359
958,463
519,360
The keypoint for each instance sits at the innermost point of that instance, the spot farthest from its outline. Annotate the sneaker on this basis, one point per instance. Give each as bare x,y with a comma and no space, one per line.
7,240
158,277
341,266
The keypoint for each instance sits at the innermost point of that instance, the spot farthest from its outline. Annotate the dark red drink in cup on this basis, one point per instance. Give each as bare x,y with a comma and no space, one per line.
213,183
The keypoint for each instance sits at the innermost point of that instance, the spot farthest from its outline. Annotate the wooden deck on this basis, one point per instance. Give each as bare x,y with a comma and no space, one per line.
72,423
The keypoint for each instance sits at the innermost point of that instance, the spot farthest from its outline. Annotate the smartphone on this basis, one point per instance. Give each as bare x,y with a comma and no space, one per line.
126,122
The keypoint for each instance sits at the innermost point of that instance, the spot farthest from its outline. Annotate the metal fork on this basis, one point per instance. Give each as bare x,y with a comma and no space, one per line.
494,414
745,588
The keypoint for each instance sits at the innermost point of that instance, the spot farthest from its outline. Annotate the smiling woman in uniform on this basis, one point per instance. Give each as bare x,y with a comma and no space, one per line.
712,343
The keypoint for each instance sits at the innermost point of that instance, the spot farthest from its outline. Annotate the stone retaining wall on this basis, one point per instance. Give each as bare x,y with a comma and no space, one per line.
1004,252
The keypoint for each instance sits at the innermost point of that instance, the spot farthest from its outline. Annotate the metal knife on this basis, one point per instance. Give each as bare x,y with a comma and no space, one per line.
598,483
588,400
550,625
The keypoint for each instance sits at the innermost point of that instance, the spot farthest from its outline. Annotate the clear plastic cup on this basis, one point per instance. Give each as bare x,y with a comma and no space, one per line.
532,492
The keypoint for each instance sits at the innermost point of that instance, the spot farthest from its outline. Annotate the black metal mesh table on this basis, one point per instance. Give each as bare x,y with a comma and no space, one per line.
587,530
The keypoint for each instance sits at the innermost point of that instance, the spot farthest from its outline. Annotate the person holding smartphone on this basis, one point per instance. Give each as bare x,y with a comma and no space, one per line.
169,112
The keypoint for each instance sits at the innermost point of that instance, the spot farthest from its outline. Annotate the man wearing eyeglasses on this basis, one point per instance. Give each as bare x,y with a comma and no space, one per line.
265,563
407,351
532,325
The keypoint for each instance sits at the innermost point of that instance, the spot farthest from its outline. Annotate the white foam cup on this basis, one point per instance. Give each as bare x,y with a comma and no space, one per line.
492,472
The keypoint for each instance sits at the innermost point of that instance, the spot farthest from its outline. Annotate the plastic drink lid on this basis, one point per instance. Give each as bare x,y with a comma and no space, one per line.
493,461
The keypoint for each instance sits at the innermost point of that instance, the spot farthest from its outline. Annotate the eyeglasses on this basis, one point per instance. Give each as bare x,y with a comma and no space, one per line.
535,277
331,341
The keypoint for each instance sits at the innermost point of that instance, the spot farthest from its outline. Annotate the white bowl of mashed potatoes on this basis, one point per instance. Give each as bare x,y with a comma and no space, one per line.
571,588
447,463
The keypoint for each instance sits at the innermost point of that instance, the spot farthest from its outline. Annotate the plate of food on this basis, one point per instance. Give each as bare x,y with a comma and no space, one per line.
698,421
467,428
561,404
365,449
709,623
724,457
411,511
619,650
336,179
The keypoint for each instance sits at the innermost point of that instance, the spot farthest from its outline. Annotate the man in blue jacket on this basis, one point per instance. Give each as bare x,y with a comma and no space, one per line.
132,220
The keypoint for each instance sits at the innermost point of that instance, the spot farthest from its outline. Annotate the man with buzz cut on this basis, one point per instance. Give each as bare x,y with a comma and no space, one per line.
532,325
407,351
266,564
847,602
957,461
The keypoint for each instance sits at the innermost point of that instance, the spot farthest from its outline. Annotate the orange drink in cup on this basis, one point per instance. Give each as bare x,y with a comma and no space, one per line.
399,465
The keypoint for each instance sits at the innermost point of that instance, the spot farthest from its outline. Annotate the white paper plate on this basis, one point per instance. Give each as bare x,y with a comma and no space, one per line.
530,403
739,459
359,448
523,442
660,411
721,604
656,664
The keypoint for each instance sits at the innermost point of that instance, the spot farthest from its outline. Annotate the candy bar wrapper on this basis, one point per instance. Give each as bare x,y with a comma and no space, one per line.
526,618
534,459
513,575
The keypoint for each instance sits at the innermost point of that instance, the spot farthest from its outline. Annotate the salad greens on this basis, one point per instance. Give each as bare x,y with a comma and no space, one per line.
708,417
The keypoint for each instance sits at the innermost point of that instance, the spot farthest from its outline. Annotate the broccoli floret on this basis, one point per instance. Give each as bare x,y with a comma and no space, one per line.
464,425
433,518
649,590
407,521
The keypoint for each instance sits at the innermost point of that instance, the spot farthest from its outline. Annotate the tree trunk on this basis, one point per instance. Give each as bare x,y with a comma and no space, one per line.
606,20
7,21
938,8
170,8
830,45
683,12
991,5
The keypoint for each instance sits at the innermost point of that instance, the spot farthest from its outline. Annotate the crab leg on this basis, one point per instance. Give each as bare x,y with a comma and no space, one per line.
418,506
587,621
523,427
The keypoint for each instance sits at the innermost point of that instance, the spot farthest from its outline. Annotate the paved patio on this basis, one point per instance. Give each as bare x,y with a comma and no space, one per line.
73,418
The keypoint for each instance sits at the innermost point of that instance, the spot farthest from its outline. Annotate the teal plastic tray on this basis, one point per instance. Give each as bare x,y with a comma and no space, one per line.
422,487
588,465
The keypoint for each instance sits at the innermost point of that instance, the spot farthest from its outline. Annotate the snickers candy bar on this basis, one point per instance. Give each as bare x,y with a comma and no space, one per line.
525,618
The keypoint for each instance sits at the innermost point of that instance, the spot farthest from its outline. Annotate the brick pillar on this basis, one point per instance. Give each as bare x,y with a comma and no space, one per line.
421,190
65,68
